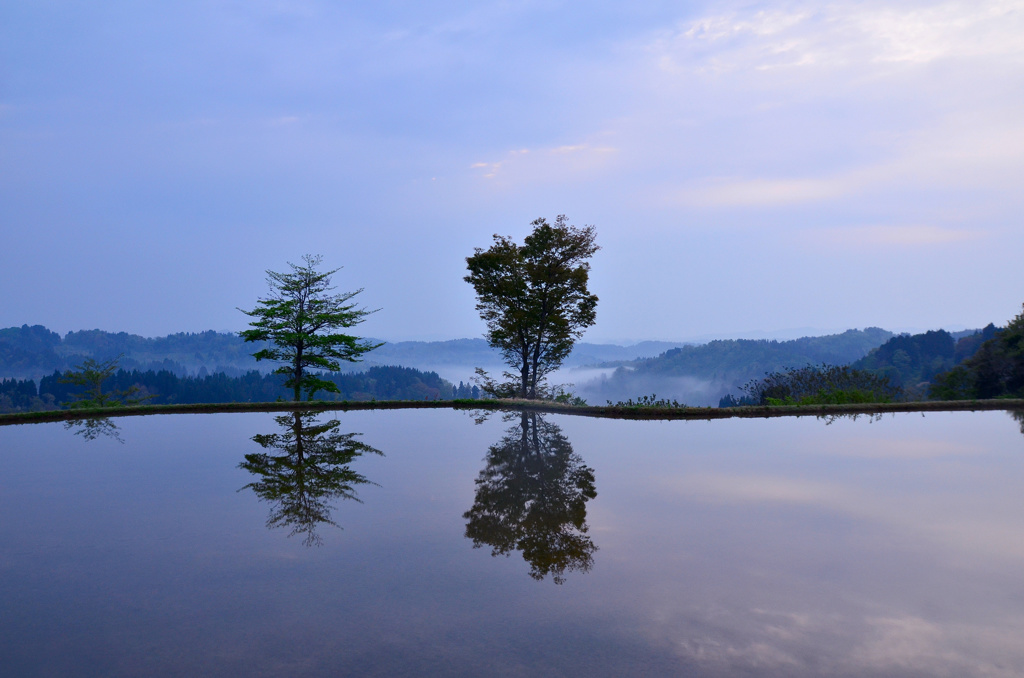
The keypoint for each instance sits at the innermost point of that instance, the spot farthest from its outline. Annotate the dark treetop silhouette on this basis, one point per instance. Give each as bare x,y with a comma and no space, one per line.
531,497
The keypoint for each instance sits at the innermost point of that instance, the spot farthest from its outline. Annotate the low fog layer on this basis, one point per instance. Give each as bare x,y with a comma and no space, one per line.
687,390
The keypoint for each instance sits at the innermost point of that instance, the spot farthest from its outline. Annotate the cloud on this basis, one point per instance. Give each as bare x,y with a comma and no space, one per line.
833,104
756,489
815,36
898,644
780,640
977,533
558,163
981,152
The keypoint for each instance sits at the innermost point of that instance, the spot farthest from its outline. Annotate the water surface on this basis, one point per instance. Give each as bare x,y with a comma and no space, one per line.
420,543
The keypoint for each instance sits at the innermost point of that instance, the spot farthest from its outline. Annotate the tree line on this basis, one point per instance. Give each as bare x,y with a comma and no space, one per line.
994,370
934,365
165,387
31,352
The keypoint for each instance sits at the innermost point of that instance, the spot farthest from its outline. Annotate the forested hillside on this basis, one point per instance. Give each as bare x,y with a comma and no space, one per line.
701,375
376,383
912,361
34,352
995,370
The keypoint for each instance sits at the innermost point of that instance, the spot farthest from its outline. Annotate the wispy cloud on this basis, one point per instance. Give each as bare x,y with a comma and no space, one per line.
823,36
559,163
826,103
979,152
917,514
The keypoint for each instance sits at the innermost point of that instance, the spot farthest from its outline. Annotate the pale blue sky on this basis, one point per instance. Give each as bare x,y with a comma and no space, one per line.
748,166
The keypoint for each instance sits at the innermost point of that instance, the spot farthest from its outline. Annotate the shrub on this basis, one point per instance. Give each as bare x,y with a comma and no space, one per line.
821,385
648,401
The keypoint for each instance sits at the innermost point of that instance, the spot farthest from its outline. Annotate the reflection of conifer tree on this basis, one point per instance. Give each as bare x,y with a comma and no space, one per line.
532,498
94,427
312,471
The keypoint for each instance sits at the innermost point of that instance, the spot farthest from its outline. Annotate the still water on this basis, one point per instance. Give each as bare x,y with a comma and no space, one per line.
421,543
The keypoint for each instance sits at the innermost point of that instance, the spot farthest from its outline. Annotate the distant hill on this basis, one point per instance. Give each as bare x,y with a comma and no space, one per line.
33,352
701,375
478,352
995,369
755,356
912,361
163,387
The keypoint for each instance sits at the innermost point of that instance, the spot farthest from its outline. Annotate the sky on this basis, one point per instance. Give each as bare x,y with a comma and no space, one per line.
748,167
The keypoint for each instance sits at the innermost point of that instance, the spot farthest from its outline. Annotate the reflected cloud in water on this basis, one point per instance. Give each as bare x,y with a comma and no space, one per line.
308,466
531,497
93,428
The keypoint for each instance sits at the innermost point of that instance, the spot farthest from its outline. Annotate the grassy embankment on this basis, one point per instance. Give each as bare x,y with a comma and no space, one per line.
608,412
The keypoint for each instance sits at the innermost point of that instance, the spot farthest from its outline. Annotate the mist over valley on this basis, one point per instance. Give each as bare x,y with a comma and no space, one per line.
694,374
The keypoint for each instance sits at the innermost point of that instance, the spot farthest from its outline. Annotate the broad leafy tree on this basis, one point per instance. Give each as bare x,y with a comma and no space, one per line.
534,299
301,319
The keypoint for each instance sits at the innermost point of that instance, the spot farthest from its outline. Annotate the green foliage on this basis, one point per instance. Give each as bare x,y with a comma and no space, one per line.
968,345
995,370
534,299
911,360
20,395
561,394
957,384
92,375
300,320
165,387
648,401
821,385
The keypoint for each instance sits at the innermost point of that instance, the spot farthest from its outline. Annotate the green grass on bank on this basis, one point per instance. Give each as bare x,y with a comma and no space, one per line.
607,412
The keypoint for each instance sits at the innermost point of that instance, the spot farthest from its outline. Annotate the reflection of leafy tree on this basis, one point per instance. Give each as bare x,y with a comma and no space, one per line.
532,498
312,470
1018,416
94,427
